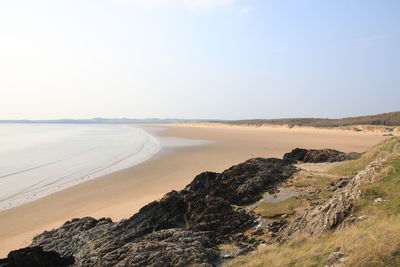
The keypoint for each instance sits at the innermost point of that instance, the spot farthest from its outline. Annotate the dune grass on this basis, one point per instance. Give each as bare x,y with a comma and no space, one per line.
372,242
275,209
389,149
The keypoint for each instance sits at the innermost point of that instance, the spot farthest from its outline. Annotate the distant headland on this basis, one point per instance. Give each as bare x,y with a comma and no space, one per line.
384,119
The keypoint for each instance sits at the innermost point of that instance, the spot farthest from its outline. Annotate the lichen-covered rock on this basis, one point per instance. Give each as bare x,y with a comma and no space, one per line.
336,259
318,156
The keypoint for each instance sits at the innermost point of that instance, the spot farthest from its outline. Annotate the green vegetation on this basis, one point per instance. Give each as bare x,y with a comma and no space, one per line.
389,149
388,189
372,242
275,209
305,178
386,119
320,181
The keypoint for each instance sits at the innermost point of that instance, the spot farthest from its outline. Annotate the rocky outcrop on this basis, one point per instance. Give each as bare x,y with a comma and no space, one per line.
182,228
186,227
333,214
318,156
35,257
244,183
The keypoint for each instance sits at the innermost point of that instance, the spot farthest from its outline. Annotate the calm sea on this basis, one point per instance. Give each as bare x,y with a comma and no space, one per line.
40,159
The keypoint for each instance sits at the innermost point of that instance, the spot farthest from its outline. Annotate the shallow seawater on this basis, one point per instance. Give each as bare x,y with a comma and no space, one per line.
40,159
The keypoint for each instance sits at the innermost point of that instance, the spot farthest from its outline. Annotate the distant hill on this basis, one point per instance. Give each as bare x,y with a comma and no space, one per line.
386,119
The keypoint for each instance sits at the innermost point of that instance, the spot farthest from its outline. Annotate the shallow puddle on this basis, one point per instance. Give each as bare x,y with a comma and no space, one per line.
274,198
281,196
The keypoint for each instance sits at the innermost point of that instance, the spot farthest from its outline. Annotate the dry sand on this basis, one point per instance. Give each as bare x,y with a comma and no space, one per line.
121,194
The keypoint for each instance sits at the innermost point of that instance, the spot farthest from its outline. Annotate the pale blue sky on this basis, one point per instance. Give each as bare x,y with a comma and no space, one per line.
223,59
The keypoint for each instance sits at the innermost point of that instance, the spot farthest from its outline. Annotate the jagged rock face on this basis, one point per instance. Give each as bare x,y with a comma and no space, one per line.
244,183
182,228
333,214
35,257
318,156
73,237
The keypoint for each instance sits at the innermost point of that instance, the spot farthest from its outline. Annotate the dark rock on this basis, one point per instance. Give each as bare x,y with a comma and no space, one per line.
340,183
276,226
182,228
244,183
35,257
259,231
318,156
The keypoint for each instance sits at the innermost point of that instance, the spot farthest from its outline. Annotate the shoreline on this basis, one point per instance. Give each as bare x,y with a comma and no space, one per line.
119,195
57,157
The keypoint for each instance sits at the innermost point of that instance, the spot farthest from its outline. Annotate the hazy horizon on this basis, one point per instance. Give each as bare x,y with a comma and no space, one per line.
177,118
198,59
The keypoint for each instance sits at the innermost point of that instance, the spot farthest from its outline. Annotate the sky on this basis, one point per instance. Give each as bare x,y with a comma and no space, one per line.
204,59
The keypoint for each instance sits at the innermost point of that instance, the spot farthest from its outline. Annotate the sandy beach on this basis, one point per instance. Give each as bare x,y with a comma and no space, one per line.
121,194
